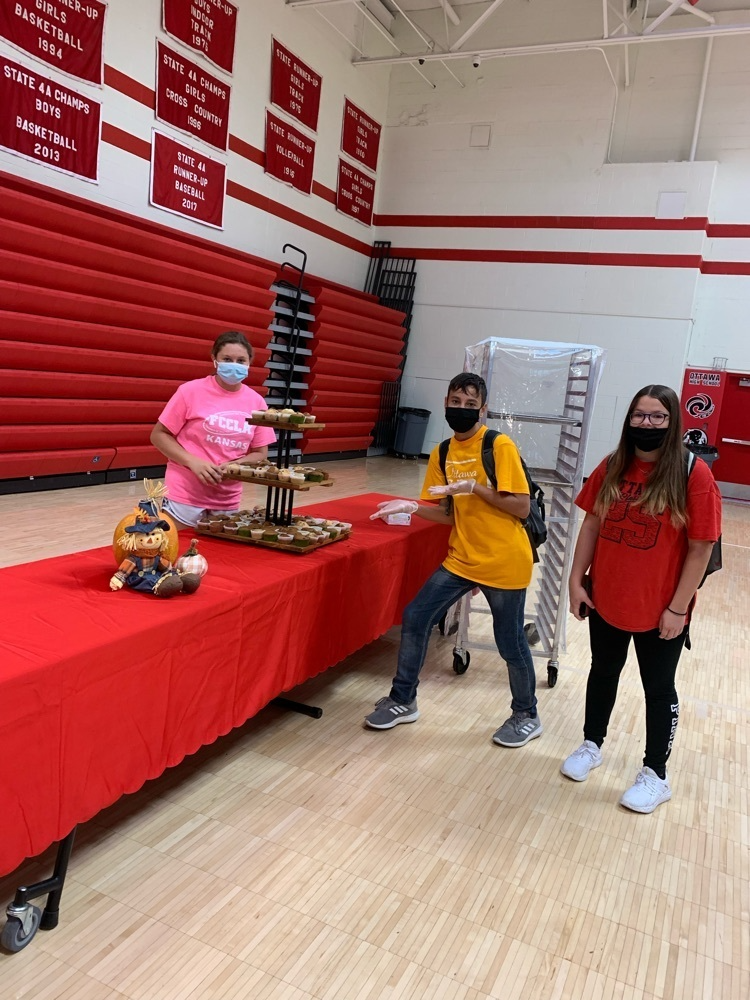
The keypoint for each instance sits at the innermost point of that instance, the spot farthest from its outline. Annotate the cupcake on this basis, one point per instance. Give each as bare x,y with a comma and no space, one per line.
297,478
258,414
301,542
285,415
286,537
243,531
297,418
309,418
230,528
270,535
256,534
271,414
271,472
204,524
315,476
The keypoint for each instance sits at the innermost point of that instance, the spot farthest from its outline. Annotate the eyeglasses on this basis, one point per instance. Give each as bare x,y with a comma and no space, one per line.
655,419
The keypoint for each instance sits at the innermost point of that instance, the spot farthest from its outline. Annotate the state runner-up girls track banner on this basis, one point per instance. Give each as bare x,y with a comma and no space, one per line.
186,182
66,34
295,87
45,122
360,136
207,26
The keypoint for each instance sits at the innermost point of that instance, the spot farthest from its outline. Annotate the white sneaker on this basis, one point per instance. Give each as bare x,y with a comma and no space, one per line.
581,761
648,792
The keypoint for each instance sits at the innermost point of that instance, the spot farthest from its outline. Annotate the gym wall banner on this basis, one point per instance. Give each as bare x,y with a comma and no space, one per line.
702,394
66,34
355,193
207,26
46,122
360,136
295,88
290,155
190,99
184,181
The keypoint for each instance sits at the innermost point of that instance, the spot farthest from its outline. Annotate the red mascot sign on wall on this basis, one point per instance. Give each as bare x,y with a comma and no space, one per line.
66,34
208,26
48,123
702,393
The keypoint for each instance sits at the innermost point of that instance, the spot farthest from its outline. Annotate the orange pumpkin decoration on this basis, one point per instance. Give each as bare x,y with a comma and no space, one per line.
154,496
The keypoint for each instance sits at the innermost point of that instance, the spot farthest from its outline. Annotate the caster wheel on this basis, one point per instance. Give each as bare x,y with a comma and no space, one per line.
532,633
461,661
13,938
551,676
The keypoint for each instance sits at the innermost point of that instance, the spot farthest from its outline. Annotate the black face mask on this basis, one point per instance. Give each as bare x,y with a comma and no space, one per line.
461,419
647,438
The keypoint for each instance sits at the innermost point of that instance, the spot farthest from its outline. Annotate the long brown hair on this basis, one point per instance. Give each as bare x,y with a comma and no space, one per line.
666,487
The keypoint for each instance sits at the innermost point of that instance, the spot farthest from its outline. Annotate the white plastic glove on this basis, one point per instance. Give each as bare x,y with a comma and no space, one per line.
394,507
460,486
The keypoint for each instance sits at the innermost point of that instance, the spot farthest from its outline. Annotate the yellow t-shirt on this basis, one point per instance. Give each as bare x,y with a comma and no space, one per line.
486,545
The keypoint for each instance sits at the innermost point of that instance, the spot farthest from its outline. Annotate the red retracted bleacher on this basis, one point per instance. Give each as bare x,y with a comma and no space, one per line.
102,316
356,346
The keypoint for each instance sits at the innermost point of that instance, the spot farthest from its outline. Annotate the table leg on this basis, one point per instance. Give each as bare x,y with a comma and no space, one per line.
25,919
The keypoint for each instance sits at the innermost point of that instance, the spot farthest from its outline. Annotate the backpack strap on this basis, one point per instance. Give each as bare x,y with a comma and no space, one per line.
443,454
488,455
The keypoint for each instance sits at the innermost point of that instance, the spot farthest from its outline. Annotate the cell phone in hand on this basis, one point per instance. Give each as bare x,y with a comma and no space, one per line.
583,609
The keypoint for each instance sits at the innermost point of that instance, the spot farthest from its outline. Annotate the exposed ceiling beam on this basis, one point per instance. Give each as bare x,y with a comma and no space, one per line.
452,15
477,24
720,31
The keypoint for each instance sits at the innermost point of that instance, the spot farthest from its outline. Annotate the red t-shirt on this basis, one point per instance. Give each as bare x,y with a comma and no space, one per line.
639,557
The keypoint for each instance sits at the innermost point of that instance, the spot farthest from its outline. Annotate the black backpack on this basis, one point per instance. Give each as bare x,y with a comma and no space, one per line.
714,561
534,524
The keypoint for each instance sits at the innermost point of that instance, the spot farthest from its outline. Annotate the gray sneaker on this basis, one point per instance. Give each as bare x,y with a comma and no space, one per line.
389,713
518,730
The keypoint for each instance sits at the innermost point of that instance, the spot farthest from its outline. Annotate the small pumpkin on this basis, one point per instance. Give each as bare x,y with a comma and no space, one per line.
192,561
155,493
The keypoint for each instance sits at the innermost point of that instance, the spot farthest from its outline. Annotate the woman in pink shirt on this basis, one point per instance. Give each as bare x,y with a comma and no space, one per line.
203,428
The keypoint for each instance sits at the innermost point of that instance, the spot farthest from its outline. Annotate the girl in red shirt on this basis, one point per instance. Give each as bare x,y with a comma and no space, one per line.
641,553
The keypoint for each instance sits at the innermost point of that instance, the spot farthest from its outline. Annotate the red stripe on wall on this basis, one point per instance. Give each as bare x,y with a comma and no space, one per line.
242,193
124,140
539,222
249,152
552,257
326,193
728,231
725,267
129,87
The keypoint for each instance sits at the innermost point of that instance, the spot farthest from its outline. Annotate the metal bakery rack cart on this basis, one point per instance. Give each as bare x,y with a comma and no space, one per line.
542,395
276,526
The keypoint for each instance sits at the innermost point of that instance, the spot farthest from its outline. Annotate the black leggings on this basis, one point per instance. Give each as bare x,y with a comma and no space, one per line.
657,662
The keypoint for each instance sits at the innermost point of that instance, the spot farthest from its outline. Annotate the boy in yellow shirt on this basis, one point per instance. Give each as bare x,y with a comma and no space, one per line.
488,548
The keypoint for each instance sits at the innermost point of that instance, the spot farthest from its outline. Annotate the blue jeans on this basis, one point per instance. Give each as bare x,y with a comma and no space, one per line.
441,591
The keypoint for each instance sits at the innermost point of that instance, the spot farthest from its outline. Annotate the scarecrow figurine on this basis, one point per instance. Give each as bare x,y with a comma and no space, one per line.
145,565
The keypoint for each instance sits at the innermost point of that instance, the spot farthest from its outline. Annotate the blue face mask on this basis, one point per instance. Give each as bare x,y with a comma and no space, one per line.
231,373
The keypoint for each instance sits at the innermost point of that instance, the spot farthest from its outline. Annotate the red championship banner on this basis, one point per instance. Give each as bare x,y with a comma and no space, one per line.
191,99
295,88
186,182
702,395
208,26
360,136
355,193
46,122
66,34
289,154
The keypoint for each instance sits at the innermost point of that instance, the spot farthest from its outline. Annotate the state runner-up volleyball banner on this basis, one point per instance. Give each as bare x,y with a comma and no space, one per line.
66,34
290,155
208,26
44,121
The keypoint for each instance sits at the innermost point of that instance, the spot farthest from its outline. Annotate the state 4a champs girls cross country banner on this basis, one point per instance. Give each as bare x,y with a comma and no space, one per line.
66,34
190,98
355,193
186,182
208,26
43,121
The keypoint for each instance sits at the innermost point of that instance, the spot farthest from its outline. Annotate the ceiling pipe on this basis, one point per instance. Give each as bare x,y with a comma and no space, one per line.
477,24
452,15
701,99
722,31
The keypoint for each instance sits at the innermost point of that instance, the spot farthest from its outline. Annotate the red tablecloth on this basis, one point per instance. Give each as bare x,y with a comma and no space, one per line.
100,691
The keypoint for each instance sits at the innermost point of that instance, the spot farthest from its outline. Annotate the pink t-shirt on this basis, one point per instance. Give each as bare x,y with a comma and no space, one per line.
209,422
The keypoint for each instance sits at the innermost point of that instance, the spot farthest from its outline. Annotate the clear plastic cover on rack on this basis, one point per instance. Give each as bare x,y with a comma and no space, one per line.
539,393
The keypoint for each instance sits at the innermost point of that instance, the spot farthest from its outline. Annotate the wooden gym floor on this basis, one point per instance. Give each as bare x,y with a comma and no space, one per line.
299,859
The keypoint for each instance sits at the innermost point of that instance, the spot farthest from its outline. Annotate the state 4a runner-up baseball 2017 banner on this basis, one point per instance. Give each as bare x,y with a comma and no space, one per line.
208,26
186,182
44,121
66,34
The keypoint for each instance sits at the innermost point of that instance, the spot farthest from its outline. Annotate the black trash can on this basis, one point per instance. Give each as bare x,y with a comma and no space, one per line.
707,452
411,427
